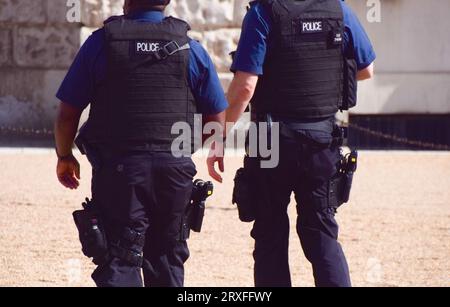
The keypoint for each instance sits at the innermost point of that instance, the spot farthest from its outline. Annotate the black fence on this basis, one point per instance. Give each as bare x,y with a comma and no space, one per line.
369,132
22,137
400,132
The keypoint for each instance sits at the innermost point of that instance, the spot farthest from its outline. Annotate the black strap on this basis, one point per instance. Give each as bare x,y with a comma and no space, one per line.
163,53
170,49
130,257
340,134
133,258
133,237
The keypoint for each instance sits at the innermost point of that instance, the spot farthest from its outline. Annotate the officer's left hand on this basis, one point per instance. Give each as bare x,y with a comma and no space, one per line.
216,154
68,172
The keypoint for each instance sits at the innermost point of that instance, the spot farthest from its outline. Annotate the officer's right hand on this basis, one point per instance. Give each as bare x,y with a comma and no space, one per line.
216,155
68,172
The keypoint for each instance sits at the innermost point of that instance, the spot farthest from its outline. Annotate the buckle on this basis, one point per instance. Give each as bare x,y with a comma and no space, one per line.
171,48
168,50
129,256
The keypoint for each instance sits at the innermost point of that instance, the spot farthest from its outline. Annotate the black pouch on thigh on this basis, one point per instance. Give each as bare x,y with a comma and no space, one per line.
91,232
246,189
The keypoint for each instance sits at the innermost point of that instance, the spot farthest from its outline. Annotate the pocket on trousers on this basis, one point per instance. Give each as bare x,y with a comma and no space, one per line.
322,165
185,168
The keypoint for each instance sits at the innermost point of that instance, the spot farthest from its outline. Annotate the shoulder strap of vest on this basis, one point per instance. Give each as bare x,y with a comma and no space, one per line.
112,18
281,8
284,11
180,22
121,28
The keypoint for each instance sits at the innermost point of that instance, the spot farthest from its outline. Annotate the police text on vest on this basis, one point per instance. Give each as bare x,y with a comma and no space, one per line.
312,26
144,47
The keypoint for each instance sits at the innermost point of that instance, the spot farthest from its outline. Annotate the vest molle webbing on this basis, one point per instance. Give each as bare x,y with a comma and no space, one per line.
146,89
304,67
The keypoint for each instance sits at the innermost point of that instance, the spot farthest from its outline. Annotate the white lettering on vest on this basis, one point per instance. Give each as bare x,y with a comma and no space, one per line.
147,47
312,26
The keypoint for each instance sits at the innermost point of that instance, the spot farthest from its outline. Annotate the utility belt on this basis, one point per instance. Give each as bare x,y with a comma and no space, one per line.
339,134
247,190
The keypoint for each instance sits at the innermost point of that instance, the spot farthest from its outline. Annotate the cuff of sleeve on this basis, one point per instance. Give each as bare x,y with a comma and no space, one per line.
370,59
217,110
248,69
69,101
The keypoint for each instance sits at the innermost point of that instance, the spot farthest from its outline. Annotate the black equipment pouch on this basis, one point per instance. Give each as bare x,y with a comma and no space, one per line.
193,219
127,246
245,189
91,233
340,135
350,94
341,184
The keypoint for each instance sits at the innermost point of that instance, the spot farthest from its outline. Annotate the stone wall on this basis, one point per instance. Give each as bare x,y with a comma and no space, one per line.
215,23
38,44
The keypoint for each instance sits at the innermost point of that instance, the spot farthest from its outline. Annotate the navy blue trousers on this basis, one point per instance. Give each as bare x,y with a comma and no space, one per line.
305,170
148,193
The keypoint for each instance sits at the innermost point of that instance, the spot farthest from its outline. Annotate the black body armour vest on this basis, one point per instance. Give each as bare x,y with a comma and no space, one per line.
304,67
146,89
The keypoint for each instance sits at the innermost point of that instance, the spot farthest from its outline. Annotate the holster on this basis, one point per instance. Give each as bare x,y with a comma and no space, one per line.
245,190
340,187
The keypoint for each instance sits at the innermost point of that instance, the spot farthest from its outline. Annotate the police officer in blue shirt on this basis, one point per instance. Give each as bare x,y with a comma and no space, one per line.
140,74
298,61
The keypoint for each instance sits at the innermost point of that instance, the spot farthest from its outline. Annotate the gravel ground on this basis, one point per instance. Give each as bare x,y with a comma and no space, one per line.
395,231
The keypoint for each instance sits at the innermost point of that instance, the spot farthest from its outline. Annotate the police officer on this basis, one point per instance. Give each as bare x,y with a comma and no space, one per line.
140,74
298,61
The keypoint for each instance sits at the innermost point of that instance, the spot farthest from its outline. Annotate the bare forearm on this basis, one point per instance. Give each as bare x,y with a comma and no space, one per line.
236,109
366,73
240,93
66,126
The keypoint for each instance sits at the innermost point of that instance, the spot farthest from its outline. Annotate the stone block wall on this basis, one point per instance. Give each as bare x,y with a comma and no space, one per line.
38,44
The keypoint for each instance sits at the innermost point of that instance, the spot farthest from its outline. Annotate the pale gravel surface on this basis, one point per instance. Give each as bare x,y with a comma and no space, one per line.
396,231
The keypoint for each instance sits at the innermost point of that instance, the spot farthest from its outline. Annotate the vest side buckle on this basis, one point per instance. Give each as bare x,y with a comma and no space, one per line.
168,50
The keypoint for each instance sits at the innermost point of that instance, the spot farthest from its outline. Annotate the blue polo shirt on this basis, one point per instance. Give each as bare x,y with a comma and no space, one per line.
253,44
89,69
